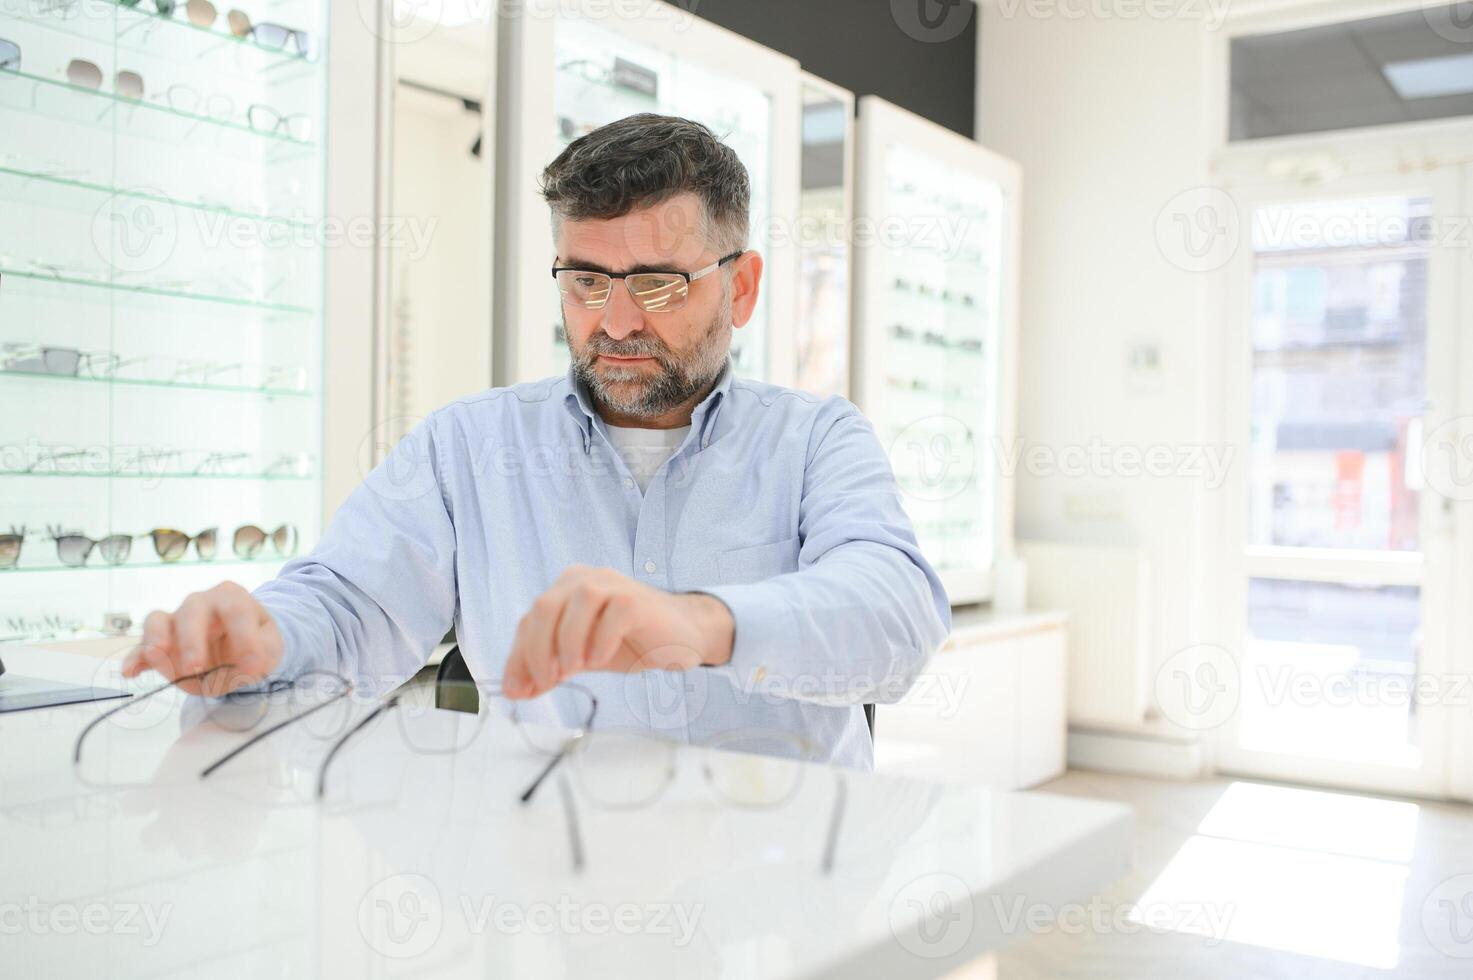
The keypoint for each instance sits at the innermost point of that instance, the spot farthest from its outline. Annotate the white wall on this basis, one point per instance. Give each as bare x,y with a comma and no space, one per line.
439,321
1108,117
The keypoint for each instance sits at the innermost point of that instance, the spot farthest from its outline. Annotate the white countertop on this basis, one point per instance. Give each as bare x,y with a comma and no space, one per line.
426,864
974,624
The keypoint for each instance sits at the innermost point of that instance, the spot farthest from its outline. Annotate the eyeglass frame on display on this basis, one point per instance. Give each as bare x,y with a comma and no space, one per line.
282,124
836,814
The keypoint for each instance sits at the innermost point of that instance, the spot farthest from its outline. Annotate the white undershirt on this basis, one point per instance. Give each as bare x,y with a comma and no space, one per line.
645,450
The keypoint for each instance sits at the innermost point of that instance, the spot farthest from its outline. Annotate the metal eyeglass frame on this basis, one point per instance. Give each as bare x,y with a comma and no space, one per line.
689,278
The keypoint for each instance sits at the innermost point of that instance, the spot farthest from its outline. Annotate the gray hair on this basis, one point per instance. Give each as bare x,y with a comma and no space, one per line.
643,160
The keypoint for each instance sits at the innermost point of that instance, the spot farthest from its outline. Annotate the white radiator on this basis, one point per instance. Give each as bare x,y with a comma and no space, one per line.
1106,592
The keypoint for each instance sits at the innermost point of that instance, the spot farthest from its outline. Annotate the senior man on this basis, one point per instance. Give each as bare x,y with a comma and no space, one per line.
648,518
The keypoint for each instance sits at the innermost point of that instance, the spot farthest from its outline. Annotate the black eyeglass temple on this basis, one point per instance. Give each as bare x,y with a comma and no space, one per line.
836,820
274,728
531,791
346,737
135,699
570,815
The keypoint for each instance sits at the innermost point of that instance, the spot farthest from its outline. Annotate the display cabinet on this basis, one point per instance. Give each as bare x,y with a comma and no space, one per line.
162,236
570,66
936,285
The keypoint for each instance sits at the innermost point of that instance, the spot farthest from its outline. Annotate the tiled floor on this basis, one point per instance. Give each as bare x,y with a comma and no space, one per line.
1242,880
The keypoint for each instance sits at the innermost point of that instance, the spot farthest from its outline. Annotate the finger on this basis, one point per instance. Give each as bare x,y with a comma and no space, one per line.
615,622
241,625
158,631
192,622
516,681
581,611
539,627
160,661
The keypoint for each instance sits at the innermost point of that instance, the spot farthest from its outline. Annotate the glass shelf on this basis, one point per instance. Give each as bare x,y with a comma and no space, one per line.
157,291
102,566
146,383
133,29
114,475
73,183
81,97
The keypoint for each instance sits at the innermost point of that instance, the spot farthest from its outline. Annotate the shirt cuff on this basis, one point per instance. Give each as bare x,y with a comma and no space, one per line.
296,640
764,636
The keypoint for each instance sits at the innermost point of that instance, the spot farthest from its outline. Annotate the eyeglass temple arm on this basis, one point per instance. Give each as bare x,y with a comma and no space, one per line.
268,731
531,791
702,273
570,815
136,699
567,747
337,746
836,820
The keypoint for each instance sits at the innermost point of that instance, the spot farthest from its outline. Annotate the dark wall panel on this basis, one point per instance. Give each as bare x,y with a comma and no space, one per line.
919,54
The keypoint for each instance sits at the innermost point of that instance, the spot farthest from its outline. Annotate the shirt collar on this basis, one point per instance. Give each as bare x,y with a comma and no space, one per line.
579,404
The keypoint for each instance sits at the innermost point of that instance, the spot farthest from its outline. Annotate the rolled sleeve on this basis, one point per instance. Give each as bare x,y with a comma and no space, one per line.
861,616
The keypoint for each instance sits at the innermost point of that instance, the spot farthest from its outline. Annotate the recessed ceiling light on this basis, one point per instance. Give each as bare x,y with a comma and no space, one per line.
1428,78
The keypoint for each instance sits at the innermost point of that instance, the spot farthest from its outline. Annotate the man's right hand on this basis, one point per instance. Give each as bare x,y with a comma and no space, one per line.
222,625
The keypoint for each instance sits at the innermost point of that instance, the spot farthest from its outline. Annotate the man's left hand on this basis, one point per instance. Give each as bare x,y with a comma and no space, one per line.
598,619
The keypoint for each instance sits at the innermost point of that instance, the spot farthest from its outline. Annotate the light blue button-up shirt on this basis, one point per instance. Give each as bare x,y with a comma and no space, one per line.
780,504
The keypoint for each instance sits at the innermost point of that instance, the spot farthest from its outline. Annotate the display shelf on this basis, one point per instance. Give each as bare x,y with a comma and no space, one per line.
118,287
67,184
82,102
44,376
131,565
114,475
175,39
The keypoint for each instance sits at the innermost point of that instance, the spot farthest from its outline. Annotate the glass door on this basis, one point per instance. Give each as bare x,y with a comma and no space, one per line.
1348,343
935,331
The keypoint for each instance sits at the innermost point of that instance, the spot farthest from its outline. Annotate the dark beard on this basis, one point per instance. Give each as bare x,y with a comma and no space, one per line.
678,380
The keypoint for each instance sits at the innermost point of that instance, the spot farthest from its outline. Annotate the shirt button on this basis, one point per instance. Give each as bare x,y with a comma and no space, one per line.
628,483
649,566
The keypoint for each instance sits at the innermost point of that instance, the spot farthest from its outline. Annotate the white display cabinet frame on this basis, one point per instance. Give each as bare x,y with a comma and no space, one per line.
847,100
526,303
881,127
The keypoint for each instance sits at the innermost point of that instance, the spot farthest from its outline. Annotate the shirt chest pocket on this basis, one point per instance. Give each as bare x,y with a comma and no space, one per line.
758,562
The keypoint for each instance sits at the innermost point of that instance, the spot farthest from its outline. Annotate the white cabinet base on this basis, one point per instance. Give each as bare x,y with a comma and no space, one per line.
990,708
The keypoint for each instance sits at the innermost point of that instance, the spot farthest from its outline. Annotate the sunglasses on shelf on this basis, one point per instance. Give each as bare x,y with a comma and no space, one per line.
75,549
172,545
66,361
9,55
165,8
250,539
84,74
274,37
10,546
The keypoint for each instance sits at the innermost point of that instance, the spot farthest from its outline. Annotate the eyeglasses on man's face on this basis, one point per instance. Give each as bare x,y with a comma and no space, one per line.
653,292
